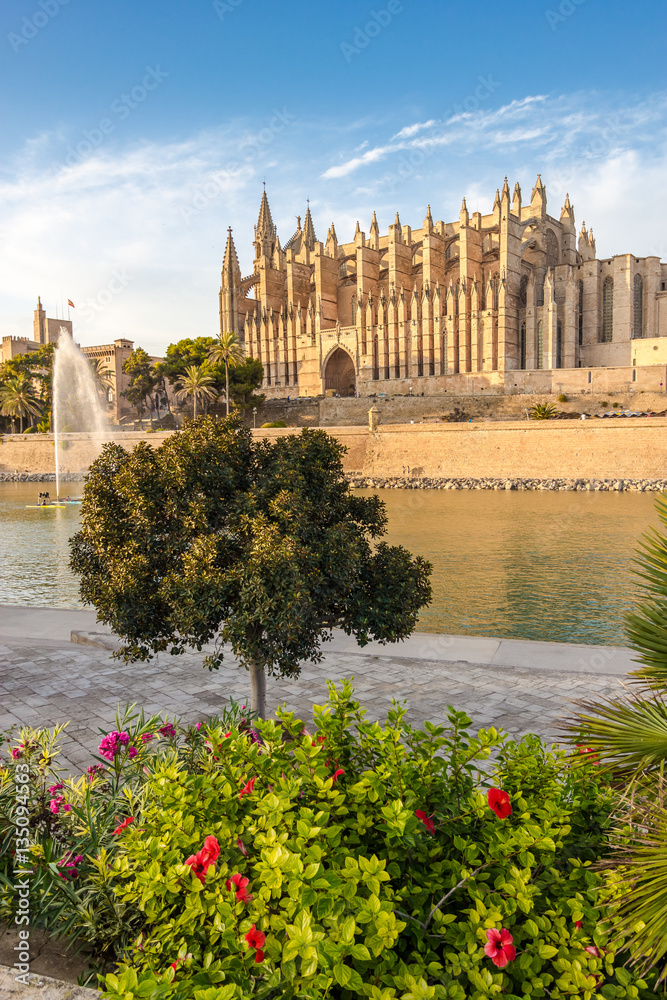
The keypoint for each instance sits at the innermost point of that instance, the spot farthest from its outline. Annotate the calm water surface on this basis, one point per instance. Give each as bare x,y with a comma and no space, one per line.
540,565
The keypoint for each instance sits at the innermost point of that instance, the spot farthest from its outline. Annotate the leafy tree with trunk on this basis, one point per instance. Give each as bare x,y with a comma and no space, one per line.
228,352
19,399
244,379
143,379
37,366
199,383
259,544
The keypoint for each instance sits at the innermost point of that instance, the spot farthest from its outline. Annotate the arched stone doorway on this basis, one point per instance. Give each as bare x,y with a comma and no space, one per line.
339,373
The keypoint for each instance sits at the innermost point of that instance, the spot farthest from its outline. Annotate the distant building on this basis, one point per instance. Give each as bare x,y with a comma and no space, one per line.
510,301
112,357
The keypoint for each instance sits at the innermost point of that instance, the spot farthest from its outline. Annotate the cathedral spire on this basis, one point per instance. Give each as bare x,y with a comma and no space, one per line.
265,231
464,217
516,200
505,193
496,200
428,221
309,230
374,236
230,262
538,198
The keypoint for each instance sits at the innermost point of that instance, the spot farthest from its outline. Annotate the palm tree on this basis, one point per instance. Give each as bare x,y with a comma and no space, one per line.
628,735
18,399
228,352
198,383
102,375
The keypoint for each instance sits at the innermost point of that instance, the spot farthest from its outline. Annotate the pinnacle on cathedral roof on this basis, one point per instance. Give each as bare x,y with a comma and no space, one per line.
539,187
309,230
230,261
374,224
358,229
398,221
496,200
506,189
264,221
428,221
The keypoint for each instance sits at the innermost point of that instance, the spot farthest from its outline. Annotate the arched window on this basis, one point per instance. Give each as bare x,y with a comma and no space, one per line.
540,346
607,310
522,347
448,252
523,292
551,247
580,315
559,345
343,269
638,318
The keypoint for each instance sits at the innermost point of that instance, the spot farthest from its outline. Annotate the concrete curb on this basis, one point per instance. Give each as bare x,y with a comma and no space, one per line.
42,987
523,654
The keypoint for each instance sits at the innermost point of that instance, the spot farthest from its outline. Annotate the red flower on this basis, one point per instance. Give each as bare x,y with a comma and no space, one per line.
336,775
247,789
123,825
240,883
256,940
426,820
242,848
202,860
499,947
592,950
499,801
595,759
577,924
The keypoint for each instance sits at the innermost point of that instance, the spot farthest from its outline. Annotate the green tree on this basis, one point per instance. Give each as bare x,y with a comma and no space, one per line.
198,383
101,374
260,543
228,352
183,355
143,378
18,399
37,366
244,379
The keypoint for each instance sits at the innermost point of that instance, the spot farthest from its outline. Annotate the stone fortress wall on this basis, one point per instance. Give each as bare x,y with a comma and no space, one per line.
634,448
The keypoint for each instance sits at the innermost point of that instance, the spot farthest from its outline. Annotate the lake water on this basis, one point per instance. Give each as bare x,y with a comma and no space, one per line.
530,565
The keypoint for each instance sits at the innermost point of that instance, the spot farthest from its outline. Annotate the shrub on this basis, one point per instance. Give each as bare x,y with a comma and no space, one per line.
604,403
361,860
275,423
562,398
544,411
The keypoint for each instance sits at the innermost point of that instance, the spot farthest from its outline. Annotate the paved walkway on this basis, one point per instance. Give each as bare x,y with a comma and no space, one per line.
519,686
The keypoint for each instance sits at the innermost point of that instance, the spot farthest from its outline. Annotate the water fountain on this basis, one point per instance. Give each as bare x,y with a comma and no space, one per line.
76,401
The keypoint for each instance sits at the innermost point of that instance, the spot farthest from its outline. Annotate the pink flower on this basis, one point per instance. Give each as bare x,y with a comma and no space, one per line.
112,743
132,752
202,860
17,752
592,950
499,801
145,737
336,775
247,788
240,884
123,825
426,820
167,730
499,947
242,848
198,726
256,940
55,788
54,804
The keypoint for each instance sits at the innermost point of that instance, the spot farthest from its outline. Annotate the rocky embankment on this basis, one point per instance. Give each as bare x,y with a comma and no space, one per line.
41,477
572,485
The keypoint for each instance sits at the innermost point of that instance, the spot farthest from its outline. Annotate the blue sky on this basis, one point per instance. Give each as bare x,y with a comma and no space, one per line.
134,133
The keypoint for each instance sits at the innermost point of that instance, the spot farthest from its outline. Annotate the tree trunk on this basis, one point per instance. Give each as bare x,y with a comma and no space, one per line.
194,412
227,384
20,423
257,689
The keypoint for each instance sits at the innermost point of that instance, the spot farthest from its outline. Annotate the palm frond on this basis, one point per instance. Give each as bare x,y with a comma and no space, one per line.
627,733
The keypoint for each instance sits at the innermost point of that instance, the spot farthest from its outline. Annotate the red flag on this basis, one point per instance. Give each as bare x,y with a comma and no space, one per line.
70,303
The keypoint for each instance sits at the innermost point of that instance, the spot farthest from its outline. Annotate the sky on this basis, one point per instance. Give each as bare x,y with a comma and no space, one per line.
134,133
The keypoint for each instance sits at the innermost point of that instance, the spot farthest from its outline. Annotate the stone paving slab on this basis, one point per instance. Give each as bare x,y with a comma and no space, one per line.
41,988
85,686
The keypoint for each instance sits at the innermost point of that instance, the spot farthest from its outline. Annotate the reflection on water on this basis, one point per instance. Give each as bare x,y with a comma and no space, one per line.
533,565
541,565
34,558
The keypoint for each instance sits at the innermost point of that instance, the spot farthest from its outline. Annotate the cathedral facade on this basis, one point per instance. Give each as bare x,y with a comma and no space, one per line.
511,301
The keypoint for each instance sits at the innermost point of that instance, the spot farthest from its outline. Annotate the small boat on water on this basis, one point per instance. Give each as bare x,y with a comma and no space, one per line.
45,501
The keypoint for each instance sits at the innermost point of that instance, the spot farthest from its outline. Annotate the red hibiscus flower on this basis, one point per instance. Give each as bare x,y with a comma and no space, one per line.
123,825
592,950
202,860
426,820
240,884
248,788
499,947
256,940
577,924
336,775
589,752
499,801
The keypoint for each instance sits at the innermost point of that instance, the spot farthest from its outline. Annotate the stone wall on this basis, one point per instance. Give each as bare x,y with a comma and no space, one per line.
632,448
36,453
